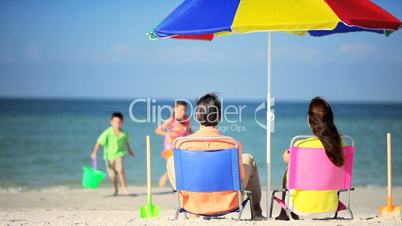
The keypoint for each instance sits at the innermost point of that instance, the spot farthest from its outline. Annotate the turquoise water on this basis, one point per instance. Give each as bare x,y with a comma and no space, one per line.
45,143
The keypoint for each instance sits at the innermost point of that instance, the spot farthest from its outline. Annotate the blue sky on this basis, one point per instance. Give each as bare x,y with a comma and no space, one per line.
99,49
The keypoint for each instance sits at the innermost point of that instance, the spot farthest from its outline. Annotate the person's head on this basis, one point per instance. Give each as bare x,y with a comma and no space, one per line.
321,121
208,110
180,109
116,120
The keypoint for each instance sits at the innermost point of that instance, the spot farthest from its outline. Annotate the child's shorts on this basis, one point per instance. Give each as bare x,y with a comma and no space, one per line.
113,166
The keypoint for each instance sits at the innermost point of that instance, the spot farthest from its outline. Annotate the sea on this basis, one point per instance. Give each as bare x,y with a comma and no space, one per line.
45,143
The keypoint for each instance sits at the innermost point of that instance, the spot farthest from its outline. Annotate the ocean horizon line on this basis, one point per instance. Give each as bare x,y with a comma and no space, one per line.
192,99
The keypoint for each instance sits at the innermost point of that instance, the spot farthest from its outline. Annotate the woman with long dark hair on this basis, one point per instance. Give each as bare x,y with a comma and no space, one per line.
321,121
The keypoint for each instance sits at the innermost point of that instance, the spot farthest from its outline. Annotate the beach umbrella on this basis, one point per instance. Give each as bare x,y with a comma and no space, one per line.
206,19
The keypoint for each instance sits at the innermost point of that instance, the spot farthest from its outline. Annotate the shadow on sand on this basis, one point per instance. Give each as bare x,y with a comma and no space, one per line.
141,194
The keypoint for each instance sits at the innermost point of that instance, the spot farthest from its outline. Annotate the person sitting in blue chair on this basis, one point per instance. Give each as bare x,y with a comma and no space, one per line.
208,114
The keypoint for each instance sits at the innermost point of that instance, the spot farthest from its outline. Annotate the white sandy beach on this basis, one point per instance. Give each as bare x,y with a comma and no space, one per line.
65,206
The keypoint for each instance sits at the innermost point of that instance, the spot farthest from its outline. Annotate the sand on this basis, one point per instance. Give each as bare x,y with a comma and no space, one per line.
66,206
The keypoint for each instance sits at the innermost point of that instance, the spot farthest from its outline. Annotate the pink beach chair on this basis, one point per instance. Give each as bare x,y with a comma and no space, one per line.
310,169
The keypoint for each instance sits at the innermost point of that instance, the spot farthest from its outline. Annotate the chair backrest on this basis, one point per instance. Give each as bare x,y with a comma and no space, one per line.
207,170
311,169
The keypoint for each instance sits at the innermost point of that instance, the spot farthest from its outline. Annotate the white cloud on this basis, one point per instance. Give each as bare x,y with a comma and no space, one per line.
6,58
358,48
33,53
289,50
172,54
301,53
121,49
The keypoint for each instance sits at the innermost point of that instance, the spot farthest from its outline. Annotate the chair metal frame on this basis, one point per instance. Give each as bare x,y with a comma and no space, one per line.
241,193
287,191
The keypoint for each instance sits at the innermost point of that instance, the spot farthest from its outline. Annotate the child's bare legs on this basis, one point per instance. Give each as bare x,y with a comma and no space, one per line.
122,178
114,181
163,180
110,168
121,174
115,168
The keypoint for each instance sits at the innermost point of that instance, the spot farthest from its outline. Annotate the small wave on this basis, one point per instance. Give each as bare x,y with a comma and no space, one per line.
20,189
12,190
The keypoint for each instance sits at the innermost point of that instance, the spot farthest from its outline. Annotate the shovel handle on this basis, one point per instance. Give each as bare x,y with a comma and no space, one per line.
389,169
148,143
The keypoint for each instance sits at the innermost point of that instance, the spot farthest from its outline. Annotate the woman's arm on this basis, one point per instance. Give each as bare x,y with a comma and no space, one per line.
286,156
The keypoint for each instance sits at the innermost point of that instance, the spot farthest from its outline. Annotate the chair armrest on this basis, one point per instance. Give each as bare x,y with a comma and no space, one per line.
246,193
345,190
279,190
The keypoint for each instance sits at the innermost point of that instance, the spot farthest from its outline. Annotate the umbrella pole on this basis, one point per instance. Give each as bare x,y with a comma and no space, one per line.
268,194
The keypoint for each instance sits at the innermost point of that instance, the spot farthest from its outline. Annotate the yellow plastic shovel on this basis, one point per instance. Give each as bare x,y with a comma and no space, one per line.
390,212
150,210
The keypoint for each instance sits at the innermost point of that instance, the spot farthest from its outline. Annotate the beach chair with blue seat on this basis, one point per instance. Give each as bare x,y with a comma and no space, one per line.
310,169
205,171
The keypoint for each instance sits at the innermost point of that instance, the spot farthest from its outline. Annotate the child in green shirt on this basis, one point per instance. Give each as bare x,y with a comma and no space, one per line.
116,145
